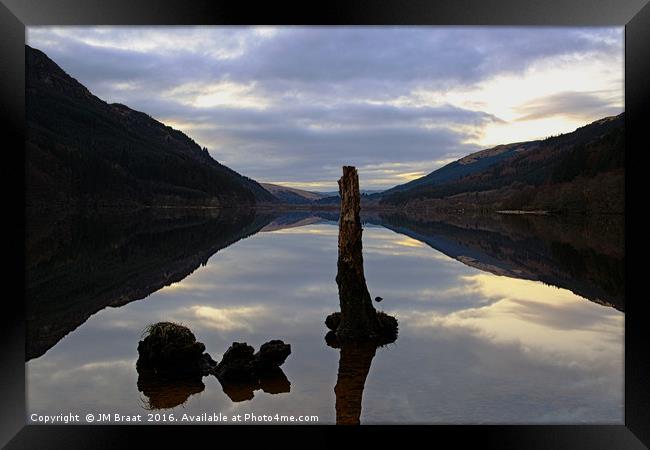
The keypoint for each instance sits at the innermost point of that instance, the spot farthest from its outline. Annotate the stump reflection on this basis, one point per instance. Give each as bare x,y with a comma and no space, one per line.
354,365
358,329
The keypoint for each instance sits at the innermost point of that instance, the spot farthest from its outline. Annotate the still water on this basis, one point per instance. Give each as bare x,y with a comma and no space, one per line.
493,332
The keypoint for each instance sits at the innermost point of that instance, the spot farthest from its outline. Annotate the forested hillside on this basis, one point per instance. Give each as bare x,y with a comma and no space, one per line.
582,171
82,150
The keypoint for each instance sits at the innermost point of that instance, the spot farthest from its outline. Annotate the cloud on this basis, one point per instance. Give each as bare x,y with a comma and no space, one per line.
579,105
295,103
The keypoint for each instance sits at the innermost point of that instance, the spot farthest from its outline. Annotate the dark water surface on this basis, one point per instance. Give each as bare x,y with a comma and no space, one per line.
501,320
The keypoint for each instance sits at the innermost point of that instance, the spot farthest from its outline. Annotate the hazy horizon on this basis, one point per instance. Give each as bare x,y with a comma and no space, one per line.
291,105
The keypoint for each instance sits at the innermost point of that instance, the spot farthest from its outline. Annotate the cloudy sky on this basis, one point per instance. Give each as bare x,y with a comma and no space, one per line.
291,105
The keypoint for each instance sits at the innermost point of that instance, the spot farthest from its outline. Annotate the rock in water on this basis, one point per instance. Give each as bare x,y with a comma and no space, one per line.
378,299
171,349
237,363
240,363
172,362
241,372
272,355
208,365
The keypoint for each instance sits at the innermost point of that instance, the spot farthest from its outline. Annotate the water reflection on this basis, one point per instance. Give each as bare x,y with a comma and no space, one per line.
582,255
354,365
475,347
164,393
272,382
80,263
355,360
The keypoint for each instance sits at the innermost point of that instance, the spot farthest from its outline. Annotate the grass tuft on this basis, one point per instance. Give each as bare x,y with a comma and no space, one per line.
169,333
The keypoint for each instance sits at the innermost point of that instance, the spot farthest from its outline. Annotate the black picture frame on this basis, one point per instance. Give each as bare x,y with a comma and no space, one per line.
15,15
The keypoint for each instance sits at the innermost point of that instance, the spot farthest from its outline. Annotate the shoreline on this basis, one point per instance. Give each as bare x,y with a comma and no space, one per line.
522,212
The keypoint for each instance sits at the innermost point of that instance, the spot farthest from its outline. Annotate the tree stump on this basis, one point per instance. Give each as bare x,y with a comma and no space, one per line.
358,315
358,329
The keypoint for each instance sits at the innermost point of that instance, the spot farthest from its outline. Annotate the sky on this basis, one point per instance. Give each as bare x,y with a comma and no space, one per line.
291,105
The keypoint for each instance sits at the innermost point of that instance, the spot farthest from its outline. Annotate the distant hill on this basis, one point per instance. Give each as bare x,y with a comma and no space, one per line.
363,191
291,195
298,196
472,163
82,150
582,171
329,194
336,200
332,198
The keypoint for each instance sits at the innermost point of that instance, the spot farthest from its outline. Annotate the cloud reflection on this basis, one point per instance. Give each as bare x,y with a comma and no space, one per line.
541,318
474,347
226,319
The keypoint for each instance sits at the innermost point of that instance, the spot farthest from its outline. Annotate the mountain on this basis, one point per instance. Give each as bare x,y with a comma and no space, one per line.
582,171
363,191
467,165
366,197
300,197
291,195
332,198
82,150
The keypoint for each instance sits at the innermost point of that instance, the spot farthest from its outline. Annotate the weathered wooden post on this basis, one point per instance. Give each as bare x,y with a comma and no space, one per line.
358,320
358,329
358,315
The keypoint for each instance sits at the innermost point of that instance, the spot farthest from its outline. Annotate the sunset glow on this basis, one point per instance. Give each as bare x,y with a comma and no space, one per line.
290,105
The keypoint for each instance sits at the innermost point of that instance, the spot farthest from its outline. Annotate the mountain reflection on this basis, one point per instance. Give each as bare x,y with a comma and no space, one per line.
473,346
582,255
78,264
